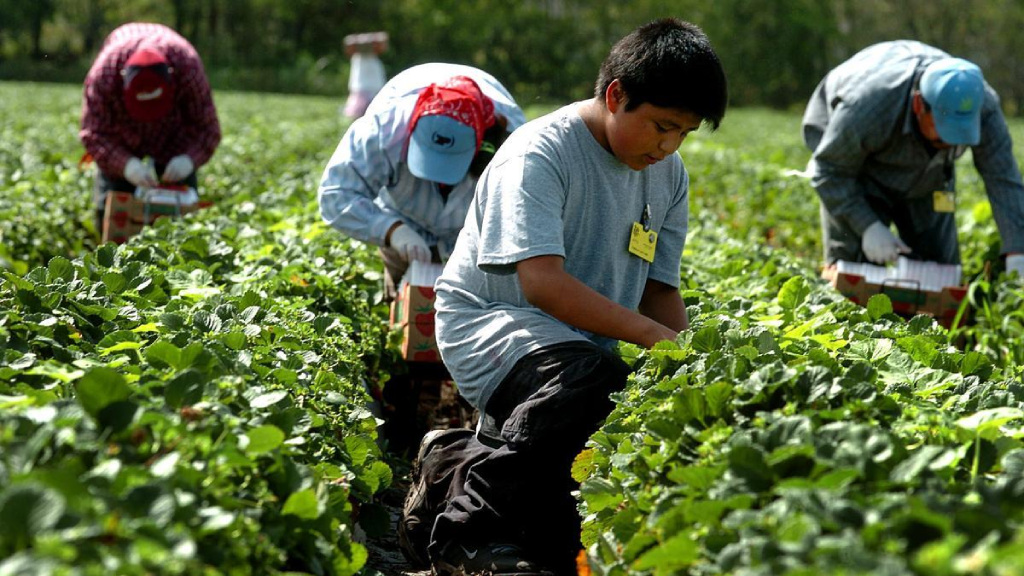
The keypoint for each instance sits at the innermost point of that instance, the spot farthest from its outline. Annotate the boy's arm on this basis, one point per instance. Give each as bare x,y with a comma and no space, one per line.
663,304
549,287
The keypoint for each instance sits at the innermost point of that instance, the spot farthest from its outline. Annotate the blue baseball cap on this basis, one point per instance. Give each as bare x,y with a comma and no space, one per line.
441,149
955,90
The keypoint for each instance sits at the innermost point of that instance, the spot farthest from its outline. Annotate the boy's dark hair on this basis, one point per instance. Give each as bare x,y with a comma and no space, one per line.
668,63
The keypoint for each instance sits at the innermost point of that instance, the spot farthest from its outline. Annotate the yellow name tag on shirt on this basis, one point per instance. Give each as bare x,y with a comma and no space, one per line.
943,201
643,242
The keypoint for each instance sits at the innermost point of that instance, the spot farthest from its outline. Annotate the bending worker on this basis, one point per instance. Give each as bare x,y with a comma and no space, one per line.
885,128
403,174
147,115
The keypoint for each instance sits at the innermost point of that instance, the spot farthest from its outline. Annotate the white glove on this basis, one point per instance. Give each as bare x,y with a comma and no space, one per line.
879,244
140,173
1015,263
178,169
409,244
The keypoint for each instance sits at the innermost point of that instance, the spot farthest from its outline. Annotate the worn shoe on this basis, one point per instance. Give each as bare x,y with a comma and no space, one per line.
426,496
457,559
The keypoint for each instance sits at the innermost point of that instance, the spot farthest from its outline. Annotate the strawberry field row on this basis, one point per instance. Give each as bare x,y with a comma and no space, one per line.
195,402
793,432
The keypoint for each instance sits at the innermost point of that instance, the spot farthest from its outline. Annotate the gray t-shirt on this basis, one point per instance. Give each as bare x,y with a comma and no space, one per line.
550,190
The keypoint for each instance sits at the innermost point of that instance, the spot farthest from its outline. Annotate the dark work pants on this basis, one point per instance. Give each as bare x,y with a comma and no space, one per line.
517,487
106,183
930,235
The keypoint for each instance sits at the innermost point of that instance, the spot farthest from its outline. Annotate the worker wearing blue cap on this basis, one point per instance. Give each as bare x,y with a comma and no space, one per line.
403,174
885,129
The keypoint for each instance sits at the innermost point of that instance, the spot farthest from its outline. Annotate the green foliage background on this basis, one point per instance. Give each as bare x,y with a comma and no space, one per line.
775,51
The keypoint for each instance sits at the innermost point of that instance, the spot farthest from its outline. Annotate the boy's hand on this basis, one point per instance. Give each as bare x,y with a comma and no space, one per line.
662,334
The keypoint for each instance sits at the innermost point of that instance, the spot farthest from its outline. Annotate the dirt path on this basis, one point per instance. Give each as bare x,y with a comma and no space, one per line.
385,556
438,408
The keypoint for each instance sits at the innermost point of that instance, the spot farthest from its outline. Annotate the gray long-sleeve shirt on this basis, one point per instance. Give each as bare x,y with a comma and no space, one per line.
861,129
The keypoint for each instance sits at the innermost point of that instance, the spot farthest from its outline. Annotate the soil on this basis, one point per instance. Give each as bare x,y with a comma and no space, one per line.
386,557
438,407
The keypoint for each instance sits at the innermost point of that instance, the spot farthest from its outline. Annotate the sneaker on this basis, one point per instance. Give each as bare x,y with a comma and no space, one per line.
457,559
426,497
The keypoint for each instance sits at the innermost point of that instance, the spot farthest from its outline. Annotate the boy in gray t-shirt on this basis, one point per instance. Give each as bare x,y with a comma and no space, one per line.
572,243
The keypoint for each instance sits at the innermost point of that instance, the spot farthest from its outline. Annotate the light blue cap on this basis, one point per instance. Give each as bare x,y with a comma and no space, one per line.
441,149
955,90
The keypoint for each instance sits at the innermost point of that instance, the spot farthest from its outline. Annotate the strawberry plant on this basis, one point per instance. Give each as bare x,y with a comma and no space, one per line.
793,432
195,401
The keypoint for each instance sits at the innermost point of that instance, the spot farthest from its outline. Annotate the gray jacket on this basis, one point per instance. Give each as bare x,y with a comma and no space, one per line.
860,127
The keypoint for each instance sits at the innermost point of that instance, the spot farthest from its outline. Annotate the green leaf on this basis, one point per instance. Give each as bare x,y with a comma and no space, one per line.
748,463
285,376
100,387
976,363
234,340
718,396
60,268
707,339
207,322
921,459
349,564
793,293
165,465
27,510
700,477
879,305
117,416
674,554
984,420
1013,463
114,281
583,466
268,399
184,389
303,504
56,371
263,439
163,354
600,493
105,255
359,448
691,404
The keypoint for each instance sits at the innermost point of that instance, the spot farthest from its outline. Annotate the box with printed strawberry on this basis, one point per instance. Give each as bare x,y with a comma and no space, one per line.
126,213
412,312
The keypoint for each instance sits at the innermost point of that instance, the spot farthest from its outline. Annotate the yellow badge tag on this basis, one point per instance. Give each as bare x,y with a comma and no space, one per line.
943,201
642,242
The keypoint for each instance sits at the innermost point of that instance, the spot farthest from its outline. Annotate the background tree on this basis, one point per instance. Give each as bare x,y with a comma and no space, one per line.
774,51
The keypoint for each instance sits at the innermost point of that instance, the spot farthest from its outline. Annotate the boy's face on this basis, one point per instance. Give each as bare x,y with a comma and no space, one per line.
647,134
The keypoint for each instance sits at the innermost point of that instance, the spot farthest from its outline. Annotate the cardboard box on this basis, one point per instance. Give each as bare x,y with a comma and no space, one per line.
125,214
413,313
119,221
907,299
